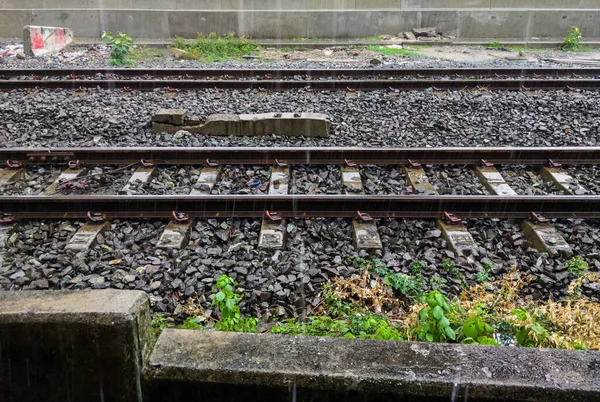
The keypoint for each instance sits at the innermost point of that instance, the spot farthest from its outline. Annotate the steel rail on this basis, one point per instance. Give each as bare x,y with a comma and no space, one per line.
341,206
301,155
329,85
245,73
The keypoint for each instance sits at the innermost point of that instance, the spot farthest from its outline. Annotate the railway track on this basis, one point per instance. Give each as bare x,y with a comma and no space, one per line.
395,80
204,204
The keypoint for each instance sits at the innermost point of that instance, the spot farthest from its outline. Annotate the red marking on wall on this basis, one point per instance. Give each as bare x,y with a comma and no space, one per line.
37,39
60,38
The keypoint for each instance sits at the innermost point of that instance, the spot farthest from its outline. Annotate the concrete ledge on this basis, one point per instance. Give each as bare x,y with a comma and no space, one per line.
499,23
241,367
73,346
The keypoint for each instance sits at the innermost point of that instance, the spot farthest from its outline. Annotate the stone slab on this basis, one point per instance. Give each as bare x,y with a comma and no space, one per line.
493,181
351,180
287,124
85,237
458,238
41,41
175,236
546,238
217,366
11,175
76,346
365,235
141,175
170,116
419,181
563,180
206,181
65,176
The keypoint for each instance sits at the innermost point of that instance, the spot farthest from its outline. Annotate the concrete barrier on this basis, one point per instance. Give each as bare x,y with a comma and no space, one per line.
498,23
292,4
73,346
218,366
40,41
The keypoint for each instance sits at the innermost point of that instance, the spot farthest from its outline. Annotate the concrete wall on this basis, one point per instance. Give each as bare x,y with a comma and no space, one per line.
294,4
162,24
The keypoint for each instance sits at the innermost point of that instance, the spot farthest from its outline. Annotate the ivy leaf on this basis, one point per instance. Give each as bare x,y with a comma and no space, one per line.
444,322
429,337
450,333
423,314
220,296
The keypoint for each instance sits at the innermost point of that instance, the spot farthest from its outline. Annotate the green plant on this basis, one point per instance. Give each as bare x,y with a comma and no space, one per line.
213,47
483,275
434,325
227,301
494,45
190,323
157,325
121,46
437,282
453,270
390,51
475,329
577,267
573,40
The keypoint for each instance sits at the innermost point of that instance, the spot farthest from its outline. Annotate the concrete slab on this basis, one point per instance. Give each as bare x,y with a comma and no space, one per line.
545,238
419,181
206,181
170,116
279,182
218,366
41,41
65,176
272,234
140,176
458,238
562,180
85,237
176,235
288,124
351,180
73,345
493,181
11,175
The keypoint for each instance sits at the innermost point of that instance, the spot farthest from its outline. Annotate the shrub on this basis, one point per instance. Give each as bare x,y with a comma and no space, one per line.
121,46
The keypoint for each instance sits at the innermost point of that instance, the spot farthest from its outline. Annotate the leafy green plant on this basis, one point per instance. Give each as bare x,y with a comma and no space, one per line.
390,51
483,275
213,47
475,329
158,325
190,323
434,325
573,40
411,286
436,282
448,266
577,267
227,301
121,46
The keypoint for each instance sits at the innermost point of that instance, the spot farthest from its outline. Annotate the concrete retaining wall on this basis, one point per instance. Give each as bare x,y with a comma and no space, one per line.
162,24
292,4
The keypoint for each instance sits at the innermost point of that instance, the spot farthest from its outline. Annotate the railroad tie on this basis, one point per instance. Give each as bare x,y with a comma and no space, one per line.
364,231
273,229
141,176
66,176
11,175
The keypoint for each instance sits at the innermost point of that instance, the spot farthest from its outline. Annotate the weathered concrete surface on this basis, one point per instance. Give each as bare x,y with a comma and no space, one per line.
242,367
288,124
40,41
73,346
545,238
464,23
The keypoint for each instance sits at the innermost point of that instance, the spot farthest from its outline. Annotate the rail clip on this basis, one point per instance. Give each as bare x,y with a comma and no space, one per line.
451,218
180,217
363,216
273,216
537,218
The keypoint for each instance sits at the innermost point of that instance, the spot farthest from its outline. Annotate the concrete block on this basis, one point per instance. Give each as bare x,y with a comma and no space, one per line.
419,181
140,176
365,235
458,238
563,180
73,346
175,236
280,180
40,41
11,175
217,366
272,234
85,237
288,124
206,181
170,116
545,238
493,181
68,174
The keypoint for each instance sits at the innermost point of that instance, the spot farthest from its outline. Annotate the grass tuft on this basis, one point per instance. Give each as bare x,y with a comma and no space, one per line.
217,48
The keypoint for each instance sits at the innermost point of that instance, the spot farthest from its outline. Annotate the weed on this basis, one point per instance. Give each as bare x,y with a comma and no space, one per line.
436,282
483,275
493,45
190,323
577,267
434,325
158,325
121,46
573,40
217,48
453,270
146,53
390,51
227,301
376,37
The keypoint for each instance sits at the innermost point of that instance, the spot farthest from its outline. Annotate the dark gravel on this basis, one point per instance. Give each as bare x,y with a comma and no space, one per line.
316,179
385,179
526,181
32,182
455,180
243,180
109,118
